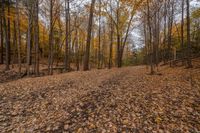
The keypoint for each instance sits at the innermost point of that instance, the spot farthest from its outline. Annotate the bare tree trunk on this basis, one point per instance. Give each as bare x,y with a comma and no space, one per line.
77,44
1,38
14,43
87,53
66,61
111,41
165,32
146,44
189,62
170,26
36,36
70,39
28,61
125,39
150,38
50,60
99,46
6,36
18,35
8,57
182,32
77,52
158,41
118,38
103,48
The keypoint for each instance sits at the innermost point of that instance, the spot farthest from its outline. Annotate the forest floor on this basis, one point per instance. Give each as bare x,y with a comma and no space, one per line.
116,100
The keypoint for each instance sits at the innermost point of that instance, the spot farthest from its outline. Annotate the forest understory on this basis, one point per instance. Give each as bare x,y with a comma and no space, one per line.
116,100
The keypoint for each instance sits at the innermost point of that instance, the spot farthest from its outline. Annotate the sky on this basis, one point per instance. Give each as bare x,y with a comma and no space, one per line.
136,33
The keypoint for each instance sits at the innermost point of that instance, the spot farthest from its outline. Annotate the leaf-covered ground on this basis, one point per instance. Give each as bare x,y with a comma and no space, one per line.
117,100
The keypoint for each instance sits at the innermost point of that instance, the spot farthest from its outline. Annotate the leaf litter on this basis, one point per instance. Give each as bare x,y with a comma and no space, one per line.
117,100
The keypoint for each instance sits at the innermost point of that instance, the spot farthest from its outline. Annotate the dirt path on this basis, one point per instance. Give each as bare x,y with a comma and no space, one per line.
118,100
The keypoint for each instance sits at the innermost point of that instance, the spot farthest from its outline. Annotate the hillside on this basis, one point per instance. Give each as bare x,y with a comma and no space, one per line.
117,100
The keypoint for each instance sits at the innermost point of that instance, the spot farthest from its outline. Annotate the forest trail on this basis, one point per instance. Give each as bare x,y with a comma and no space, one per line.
117,100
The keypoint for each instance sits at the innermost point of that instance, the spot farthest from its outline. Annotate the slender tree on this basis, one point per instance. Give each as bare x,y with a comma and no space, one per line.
170,26
36,36
66,61
50,58
18,35
1,37
189,62
8,53
111,37
99,46
14,44
29,39
182,30
6,35
87,53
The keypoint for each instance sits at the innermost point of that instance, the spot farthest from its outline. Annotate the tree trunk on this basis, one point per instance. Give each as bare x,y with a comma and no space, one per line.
1,38
8,54
182,32
28,56
125,40
87,53
14,43
36,36
150,38
69,31
165,33
189,62
118,38
50,58
6,36
66,61
77,44
170,26
18,35
99,46
111,42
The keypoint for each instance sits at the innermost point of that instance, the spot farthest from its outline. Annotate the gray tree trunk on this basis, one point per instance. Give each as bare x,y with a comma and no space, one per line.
87,52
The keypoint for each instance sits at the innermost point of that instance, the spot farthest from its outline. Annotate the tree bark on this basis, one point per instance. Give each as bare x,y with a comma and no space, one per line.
99,46
1,37
170,26
18,36
87,53
182,31
111,39
150,37
66,61
28,56
189,62
14,43
118,38
6,36
50,58
8,54
36,36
